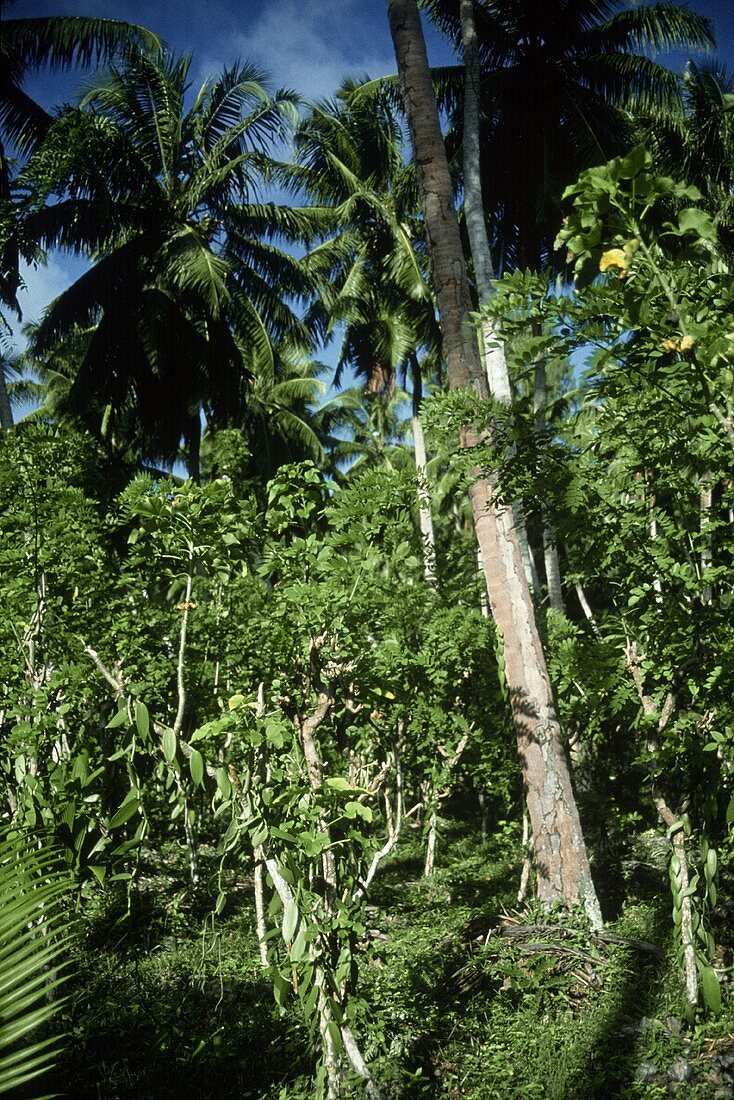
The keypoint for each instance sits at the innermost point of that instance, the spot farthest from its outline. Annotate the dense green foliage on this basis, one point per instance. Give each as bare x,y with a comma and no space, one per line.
271,752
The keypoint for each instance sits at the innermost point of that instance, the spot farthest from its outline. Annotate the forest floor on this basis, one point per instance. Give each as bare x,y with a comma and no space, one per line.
469,997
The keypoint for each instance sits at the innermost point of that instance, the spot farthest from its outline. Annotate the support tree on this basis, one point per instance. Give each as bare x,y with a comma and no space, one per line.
560,852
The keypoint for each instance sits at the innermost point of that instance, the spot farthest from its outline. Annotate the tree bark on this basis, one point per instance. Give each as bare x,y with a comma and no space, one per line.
550,541
6,412
192,440
560,853
493,347
707,552
428,535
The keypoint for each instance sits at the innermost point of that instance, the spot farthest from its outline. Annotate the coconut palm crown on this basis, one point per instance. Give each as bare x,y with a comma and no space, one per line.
558,81
186,292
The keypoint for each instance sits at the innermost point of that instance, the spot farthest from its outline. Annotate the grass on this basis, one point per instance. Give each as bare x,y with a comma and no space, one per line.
165,1004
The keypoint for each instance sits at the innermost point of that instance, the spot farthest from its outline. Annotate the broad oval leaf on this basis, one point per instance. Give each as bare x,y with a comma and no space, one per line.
711,989
290,920
169,745
196,767
142,718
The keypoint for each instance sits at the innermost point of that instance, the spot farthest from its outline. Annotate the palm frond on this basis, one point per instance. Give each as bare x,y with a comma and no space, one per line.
34,938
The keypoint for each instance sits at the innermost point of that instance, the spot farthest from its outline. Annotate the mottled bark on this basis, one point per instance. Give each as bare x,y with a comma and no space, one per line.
428,536
560,854
493,348
561,860
458,341
707,545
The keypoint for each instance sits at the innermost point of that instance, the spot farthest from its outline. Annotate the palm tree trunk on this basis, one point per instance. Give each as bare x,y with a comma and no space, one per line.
193,447
6,412
550,541
494,351
428,535
560,852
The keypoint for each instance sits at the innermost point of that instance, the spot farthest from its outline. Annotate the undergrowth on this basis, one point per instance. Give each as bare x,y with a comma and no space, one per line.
469,997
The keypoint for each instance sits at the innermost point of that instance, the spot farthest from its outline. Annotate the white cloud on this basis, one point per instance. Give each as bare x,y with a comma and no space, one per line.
42,285
311,47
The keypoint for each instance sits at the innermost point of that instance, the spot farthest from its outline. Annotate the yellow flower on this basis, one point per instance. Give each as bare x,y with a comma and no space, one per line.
679,343
614,258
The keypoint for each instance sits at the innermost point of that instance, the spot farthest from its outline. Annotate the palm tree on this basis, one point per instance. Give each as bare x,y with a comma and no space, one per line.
697,143
558,82
561,857
6,411
578,64
376,431
185,298
370,269
281,417
27,45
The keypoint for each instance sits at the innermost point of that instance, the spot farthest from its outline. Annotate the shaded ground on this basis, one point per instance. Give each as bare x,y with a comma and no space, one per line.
166,1004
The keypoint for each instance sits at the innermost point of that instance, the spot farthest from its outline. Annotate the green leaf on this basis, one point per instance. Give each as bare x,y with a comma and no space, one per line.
290,920
693,220
338,783
120,719
169,745
142,718
196,767
30,885
127,810
223,783
281,989
298,947
711,989
628,167
711,862
356,809
274,733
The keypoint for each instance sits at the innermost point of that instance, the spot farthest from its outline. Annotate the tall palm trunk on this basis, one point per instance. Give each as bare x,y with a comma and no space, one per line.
550,540
192,440
6,413
560,852
428,536
494,351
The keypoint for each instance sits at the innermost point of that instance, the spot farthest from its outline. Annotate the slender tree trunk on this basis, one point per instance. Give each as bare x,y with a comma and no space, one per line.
260,922
431,843
560,852
550,541
672,820
707,553
193,447
6,412
492,345
428,535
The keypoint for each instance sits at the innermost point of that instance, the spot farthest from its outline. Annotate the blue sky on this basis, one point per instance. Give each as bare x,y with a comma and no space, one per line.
308,45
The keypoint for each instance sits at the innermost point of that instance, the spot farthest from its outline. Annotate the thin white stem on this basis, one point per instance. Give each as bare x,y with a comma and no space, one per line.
260,922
